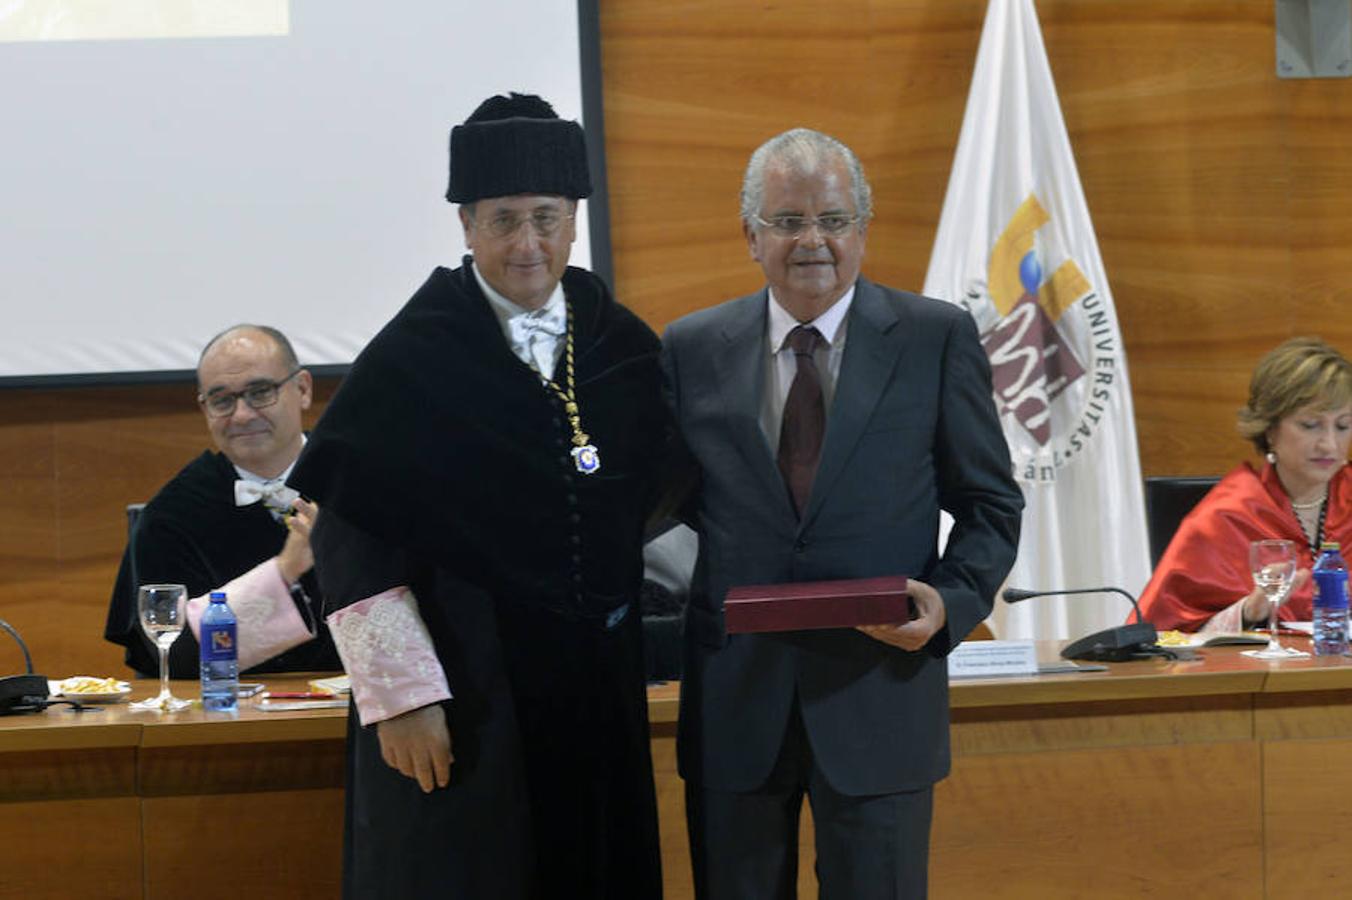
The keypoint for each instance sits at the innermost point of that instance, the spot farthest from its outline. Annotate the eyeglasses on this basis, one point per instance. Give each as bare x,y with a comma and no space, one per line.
506,224
830,225
257,395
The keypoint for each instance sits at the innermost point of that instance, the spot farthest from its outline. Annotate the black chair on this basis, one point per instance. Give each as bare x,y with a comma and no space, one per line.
669,563
1167,500
133,516
133,513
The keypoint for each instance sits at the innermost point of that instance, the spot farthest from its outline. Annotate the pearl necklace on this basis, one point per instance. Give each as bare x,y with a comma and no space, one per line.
1317,538
1318,501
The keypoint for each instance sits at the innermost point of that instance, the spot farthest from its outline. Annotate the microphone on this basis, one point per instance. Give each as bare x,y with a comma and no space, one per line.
18,692
1116,644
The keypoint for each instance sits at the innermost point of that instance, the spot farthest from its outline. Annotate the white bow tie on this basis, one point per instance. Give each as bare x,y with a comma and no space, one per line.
548,321
274,494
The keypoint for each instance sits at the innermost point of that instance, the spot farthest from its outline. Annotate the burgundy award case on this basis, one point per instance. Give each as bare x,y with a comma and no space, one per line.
817,604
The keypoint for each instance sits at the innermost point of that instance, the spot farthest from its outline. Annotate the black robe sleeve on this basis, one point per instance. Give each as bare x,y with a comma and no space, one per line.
191,533
156,553
354,565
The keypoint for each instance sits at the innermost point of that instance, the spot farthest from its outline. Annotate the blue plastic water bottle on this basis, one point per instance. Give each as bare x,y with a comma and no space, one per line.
1330,602
220,657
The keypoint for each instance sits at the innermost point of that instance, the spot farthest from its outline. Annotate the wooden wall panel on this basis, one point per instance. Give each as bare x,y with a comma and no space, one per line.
29,531
306,864
1189,148
1221,196
71,459
1026,818
95,772
100,853
1300,777
1320,123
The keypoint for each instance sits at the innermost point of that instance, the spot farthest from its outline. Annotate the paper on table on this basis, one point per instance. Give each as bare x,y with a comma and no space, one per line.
986,659
293,705
334,684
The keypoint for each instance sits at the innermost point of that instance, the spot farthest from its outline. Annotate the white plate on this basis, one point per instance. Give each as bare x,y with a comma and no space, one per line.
110,697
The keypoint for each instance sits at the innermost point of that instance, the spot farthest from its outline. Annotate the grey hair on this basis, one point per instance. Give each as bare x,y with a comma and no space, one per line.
283,345
804,151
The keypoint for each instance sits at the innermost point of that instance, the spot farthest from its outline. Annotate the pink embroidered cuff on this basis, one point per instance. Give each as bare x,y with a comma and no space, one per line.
389,656
269,622
1228,621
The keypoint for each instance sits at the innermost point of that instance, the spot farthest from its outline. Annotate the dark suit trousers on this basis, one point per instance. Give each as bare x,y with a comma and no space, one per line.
744,846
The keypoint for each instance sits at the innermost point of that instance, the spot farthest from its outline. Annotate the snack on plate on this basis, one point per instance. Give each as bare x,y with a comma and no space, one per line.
1173,639
88,684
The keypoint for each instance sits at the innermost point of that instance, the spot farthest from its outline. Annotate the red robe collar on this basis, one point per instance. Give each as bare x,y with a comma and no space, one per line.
1206,567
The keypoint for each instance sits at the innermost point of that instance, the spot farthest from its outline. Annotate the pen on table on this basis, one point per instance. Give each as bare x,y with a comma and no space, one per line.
297,695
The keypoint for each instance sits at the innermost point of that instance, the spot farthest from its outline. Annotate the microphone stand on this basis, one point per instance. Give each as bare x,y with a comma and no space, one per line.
1120,643
21,692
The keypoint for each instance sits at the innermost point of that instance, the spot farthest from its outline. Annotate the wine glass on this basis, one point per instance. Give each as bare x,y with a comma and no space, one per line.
163,609
1273,564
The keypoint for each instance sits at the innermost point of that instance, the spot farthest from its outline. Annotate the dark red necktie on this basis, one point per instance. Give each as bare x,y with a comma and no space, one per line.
800,436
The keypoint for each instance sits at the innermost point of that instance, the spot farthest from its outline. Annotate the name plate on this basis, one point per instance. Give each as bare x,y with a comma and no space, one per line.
989,659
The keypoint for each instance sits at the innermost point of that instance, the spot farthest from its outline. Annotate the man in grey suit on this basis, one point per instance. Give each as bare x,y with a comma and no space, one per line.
831,419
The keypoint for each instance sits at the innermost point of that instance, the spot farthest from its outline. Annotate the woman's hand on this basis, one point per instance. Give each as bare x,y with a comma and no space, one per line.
1256,604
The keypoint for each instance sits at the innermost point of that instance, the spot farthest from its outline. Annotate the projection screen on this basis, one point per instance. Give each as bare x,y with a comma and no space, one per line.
172,167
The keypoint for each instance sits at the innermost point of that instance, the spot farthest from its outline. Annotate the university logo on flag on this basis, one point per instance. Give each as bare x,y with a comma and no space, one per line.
1052,344
1016,247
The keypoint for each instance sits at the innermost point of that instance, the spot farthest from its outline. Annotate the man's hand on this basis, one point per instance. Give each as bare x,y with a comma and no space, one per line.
1256,604
296,559
418,744
916,633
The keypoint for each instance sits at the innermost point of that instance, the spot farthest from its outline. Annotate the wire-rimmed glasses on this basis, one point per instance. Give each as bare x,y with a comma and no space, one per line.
256,395
828,225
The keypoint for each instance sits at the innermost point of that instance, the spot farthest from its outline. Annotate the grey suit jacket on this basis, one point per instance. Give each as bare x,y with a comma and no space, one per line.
912,429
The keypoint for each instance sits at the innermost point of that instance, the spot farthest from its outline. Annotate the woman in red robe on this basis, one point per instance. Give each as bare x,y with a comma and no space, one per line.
1299,415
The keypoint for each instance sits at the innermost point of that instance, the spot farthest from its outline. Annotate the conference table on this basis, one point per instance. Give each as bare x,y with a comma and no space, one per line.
1222,776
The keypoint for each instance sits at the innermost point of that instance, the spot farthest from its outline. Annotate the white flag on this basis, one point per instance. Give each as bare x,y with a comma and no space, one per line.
1017,249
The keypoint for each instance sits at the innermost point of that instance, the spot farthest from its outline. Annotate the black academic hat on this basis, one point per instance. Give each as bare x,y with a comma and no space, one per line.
517,145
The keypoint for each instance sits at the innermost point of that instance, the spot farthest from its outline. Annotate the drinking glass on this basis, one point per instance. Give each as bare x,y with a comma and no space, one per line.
1273,564
163,609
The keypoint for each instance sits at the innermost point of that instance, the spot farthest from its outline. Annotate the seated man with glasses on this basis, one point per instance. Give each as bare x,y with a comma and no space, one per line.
228,522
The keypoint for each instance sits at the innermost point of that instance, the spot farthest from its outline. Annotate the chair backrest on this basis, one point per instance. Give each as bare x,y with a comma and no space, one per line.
133,513
1167,500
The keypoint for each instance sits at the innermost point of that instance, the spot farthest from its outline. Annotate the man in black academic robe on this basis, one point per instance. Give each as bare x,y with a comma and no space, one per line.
484,491
205,532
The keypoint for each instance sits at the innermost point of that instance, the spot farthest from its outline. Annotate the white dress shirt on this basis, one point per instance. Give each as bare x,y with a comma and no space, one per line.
535,336
276,496
782,365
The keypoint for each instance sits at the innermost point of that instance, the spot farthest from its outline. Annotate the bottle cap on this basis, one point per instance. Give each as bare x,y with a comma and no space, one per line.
218,595
1329,545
